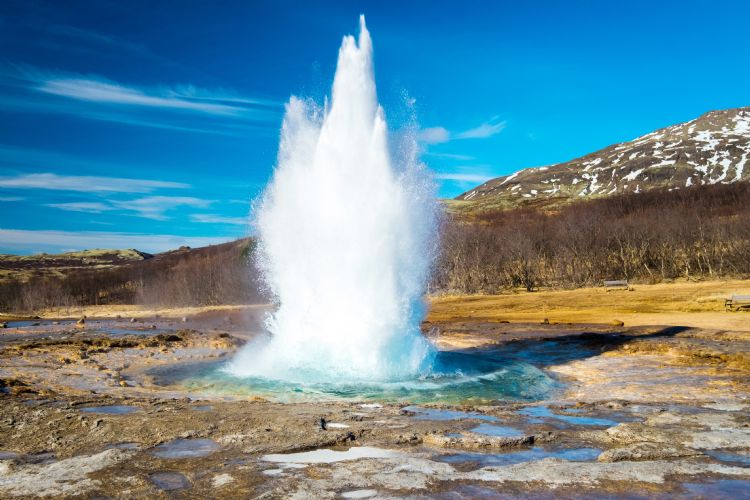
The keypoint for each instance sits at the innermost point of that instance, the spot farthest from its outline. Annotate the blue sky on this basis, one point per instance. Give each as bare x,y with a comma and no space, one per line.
154,124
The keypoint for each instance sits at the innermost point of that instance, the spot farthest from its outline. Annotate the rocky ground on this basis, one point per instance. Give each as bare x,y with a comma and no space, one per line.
642,412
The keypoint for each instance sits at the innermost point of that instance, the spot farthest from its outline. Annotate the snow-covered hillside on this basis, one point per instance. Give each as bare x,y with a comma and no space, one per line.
714,148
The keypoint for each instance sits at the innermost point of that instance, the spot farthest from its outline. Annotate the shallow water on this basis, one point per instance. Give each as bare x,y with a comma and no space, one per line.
111,410
169,481
21,324
731,458
497,430
438,414
125,446
722,488
516,457
131,331
455,377
186,448
541,414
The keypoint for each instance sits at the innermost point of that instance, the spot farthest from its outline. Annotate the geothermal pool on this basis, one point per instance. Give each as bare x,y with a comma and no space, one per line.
454,377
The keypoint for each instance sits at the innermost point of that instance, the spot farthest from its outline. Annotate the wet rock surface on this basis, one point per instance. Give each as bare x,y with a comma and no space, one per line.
87,412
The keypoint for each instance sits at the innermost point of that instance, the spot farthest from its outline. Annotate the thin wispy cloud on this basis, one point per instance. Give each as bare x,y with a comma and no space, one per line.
219,219
149,207
439,135
155,207
89,38
163,106
459,179
11,198
107,92
478,178
487,129
91,207
434,135
449,156
94,184
49,240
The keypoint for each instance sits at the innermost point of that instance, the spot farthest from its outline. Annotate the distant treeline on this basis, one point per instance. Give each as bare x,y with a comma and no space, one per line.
698,232
220,274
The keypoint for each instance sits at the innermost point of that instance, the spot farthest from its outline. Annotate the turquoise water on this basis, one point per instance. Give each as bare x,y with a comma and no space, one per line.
519,456
455,377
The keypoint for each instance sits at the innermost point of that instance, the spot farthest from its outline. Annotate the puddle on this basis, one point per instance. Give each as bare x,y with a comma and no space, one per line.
273,472
723,488
737,458
40,458
8,455
202,408
186,448
21,324
435,414
359,494
516,457
128,331
125,446
169,481
326,456
497,431
540,414
336,425
111,410
36,322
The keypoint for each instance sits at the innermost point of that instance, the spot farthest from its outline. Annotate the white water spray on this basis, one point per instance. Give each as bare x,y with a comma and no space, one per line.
346,234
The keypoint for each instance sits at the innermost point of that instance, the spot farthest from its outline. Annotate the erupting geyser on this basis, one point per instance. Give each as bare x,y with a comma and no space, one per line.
346,238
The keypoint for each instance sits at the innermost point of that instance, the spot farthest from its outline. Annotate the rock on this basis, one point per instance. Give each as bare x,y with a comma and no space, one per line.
645,451
221,480
323,424
545,321
81,323
616,322
184,319
478,441
133,320
3,325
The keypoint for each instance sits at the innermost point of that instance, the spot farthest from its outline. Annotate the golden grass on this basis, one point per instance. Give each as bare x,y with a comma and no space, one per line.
696,304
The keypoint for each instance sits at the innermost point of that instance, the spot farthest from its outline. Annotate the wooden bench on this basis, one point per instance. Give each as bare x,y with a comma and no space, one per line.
616,285
737,302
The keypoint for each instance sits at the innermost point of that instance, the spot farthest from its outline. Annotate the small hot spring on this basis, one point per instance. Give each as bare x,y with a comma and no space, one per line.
455,377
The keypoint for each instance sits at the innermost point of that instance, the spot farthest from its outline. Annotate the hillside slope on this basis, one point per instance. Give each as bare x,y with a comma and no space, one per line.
712,149
25,266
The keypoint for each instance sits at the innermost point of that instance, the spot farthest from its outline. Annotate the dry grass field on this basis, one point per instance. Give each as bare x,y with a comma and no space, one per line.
694,304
